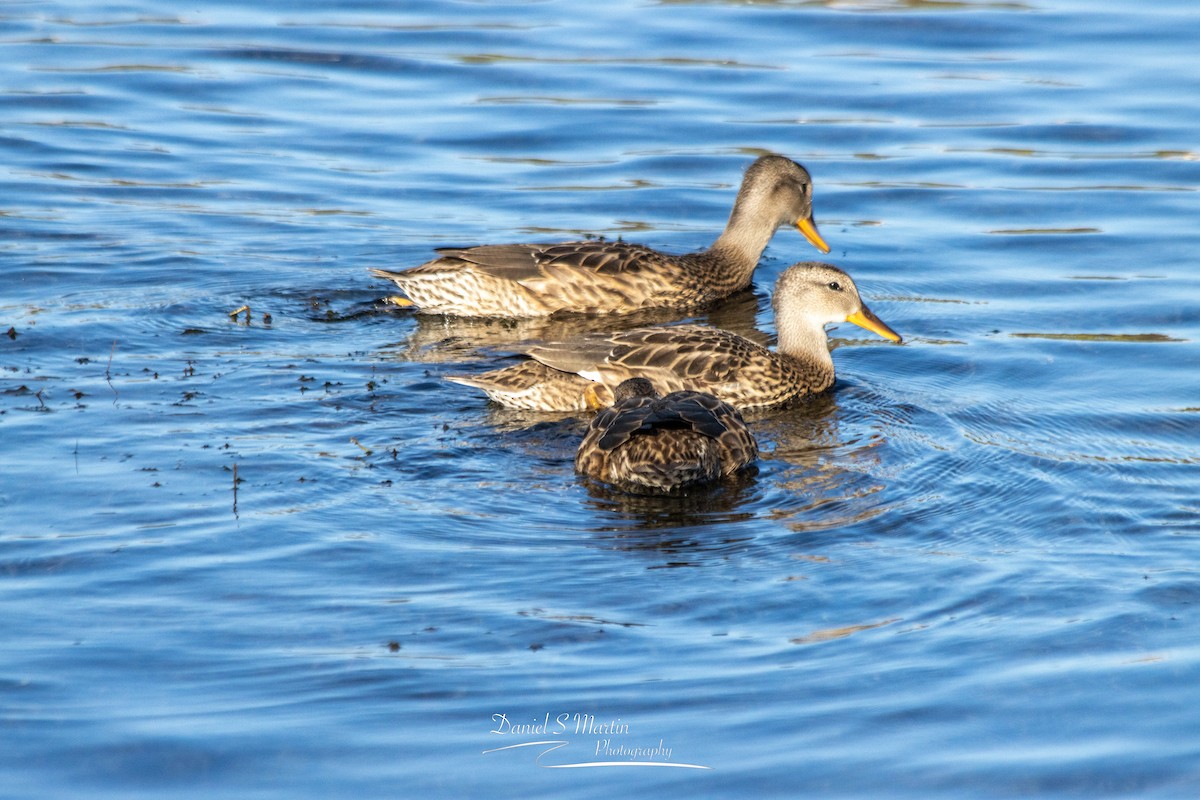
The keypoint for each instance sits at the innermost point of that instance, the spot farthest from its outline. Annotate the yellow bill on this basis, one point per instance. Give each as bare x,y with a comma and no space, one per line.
809,229
865,318
591,398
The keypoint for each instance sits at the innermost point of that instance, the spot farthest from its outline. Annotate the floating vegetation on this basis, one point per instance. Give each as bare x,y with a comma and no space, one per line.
829,634
1043,231
1100,337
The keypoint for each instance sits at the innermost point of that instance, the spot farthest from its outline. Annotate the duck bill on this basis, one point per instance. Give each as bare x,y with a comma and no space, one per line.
591,399
865,318
809,229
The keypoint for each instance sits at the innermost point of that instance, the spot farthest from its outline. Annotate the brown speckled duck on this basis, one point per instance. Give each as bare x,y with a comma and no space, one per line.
648,444
596,276
580,374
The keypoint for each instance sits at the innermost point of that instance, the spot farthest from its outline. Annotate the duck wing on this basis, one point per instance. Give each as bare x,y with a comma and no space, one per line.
672,452
676,357
616,425
716,419
539,262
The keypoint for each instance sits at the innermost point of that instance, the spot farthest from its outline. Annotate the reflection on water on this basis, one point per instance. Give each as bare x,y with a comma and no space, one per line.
625,515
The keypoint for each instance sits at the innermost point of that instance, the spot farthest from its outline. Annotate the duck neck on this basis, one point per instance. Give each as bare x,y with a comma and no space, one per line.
743,241
804,341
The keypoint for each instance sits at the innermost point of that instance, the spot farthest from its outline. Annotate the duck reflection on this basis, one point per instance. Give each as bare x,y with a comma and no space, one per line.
688,524
826,464
800,433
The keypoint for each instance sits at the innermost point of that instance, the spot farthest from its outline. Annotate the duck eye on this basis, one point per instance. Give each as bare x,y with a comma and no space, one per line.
835,286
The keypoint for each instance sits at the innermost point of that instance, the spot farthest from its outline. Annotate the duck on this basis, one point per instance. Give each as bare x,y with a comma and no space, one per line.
649,444
580,374
599,276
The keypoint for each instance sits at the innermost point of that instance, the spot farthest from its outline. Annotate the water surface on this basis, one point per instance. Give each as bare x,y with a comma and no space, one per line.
275,555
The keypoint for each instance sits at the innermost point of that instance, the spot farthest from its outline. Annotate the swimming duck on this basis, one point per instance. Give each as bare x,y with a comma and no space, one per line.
596,276
580,374
644,443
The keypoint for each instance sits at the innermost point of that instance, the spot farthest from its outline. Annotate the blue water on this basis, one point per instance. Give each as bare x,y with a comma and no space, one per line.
277,556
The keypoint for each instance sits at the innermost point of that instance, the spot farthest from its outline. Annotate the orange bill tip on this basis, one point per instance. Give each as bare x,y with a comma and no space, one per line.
865,318
809,229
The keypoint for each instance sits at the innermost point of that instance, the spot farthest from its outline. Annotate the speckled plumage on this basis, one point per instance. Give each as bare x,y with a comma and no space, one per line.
597,276
650,444
581,373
